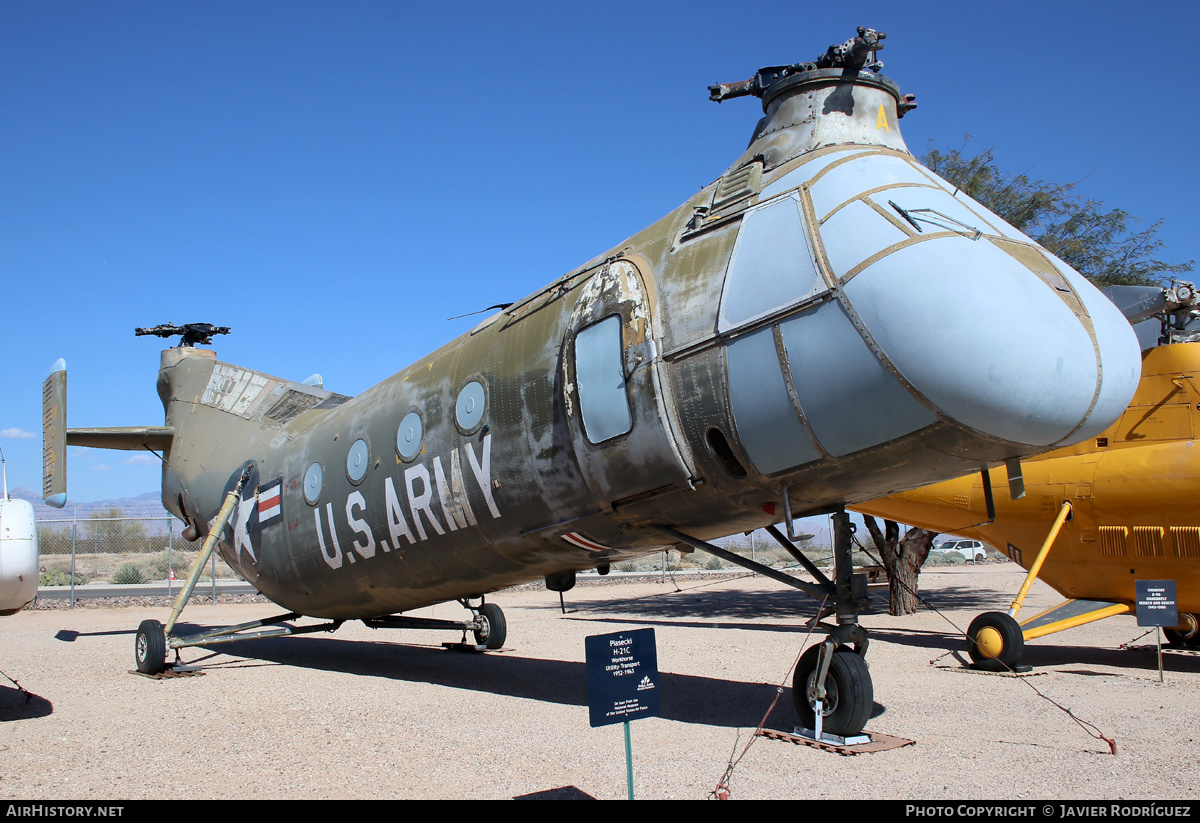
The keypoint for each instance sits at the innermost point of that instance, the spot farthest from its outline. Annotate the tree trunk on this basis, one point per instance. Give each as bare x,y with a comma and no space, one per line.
902,560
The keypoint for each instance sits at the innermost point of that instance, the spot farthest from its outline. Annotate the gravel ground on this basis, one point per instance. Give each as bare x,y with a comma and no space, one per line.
390,714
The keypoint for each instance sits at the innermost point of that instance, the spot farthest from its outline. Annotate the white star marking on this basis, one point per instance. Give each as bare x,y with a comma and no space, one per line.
241,531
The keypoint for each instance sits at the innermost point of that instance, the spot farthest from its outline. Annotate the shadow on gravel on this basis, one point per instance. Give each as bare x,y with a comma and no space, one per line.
561,793
711,601
708,602
687,699
919,638
1046,654
70,635
950,598
18,704
1139,658
697,624
754,611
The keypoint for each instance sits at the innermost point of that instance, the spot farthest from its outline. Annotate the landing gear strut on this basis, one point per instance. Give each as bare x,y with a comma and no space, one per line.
995,640
487,624
831,675
153,639
832,688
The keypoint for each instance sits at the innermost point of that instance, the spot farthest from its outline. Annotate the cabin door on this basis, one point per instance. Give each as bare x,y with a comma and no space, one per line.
614,397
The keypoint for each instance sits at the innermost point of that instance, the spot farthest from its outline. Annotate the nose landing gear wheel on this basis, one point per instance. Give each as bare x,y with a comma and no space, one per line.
849,694
150,648
995,642
494,631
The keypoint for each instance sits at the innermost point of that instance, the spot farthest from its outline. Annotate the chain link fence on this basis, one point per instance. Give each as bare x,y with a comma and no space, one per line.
98,547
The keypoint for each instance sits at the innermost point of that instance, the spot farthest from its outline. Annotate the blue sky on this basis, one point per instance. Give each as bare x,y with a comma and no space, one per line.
335,179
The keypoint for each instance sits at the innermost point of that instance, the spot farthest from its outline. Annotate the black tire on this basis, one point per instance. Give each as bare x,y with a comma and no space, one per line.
849,695
495,628
1188,637
1001,646
150,648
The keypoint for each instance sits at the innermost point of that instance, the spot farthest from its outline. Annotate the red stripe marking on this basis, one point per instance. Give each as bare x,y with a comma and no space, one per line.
579,540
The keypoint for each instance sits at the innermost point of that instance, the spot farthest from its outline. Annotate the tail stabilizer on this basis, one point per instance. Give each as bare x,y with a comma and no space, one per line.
54,435
122,438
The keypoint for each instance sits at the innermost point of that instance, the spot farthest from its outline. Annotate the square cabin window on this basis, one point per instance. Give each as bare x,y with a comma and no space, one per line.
600,379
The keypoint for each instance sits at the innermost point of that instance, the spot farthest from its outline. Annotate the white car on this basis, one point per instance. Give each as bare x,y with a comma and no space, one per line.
969,549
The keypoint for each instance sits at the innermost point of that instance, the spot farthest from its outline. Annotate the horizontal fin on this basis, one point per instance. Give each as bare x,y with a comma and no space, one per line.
127,438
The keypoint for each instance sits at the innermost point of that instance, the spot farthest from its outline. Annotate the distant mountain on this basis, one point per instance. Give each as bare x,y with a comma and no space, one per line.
144,505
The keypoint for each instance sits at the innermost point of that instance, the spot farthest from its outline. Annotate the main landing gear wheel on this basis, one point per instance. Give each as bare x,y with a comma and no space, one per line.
849,694
494,630
1187,637
150,648
995,642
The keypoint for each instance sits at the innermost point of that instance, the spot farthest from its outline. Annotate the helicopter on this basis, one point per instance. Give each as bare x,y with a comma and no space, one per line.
703,377
18,550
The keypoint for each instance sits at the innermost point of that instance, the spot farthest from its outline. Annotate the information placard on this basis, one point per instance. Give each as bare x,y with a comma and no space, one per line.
1156,603
622,672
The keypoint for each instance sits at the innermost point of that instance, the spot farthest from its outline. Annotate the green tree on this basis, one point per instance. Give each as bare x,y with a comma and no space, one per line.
53,541
902,558
1099,243
109,531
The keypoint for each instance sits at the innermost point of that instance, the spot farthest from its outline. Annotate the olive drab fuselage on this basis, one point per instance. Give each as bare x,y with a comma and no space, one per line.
827,314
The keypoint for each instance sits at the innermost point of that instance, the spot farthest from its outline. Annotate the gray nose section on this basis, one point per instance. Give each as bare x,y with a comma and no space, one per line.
878,300
995,347
1119,352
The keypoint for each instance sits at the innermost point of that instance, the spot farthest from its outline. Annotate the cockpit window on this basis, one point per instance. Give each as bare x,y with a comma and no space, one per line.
772,266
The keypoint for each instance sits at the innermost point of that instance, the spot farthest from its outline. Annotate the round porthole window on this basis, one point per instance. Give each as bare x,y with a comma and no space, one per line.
313,481
471,404
408,436
356,461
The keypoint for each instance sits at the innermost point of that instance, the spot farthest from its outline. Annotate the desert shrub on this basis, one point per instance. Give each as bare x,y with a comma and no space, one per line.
59,577
53,541
128,573
158,568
